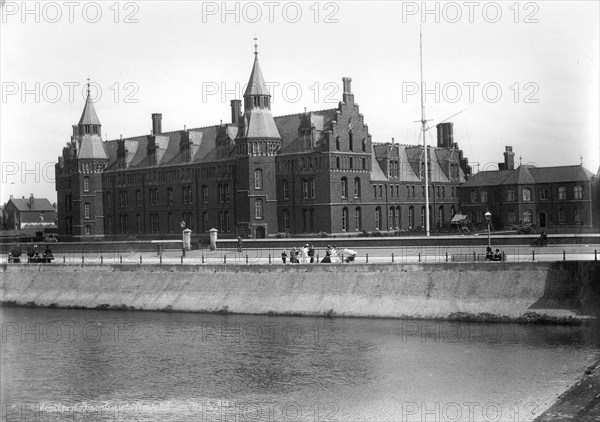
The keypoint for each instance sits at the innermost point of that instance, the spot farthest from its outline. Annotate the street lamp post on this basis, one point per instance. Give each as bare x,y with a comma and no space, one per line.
488,218
182,224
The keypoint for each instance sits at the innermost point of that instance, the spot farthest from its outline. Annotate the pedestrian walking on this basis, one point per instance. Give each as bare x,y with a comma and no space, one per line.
305,254
284,256
311,253
240,243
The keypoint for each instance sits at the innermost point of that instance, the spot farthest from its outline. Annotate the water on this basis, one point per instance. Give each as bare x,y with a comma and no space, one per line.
97,365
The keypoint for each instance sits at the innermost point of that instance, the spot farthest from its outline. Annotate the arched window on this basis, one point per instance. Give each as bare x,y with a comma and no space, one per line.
205,194
258,205
441,216
423,217
411,217
562,193
286,220
337,162
358,218
350,140
378,218
526,194
258,179
364,145
344,187
286,189
399,216
357,187
578,192
86,210
86,184
337,144
345,219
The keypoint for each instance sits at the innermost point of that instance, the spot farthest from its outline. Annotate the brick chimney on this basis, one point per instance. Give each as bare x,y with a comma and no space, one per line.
236,112
509,159
156,123
445,135
31,201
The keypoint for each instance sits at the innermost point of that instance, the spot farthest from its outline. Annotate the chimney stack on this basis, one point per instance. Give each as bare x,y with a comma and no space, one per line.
445,135
156,123
75,132
236,112
347,97
31,201
509,159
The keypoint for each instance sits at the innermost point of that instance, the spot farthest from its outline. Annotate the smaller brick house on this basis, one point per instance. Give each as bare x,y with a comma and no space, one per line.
545,197
21,213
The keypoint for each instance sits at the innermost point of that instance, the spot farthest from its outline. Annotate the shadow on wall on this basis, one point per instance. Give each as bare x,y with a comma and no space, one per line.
572,286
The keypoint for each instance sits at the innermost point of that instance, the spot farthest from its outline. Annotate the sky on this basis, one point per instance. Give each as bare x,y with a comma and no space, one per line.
524,74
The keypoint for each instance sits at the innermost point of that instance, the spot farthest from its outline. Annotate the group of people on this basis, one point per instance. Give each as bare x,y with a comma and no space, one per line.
306,254
33,256
493,256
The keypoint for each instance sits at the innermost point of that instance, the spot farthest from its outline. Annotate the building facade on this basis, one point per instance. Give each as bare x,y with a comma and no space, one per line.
256,176
546,197
22,213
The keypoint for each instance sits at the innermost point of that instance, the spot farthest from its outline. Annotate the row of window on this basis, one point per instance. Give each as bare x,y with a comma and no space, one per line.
186,196
527,217
187,221
351,142
351,163
527,194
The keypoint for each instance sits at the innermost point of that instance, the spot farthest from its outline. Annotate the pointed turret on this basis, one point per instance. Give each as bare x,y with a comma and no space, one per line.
258,120
89,116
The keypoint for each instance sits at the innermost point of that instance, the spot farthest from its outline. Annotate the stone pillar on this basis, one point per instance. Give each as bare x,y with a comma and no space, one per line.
213,239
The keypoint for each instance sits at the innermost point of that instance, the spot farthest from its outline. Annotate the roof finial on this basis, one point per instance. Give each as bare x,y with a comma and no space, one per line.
520,160
88,86
255,46
580,160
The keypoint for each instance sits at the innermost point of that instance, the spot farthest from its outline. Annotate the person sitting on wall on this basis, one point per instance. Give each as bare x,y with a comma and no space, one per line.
497,255
30,254
48,256
543,239
327,258
15,254
488,254
294,256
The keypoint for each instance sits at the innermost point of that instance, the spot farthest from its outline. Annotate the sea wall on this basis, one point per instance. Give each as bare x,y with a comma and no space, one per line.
487,291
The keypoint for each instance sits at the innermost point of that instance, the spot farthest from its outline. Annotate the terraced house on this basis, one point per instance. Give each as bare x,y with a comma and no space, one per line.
257,176
546,197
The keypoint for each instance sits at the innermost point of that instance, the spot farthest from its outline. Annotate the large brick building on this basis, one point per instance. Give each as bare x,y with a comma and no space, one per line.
546,197
256,176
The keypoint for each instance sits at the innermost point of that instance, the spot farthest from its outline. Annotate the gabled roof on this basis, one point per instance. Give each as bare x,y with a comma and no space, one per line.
377,175
525,174
520,176
256,83
288,128
89,116
39,204
576,173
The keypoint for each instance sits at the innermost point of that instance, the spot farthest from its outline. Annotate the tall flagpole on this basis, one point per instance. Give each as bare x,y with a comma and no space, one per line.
423,129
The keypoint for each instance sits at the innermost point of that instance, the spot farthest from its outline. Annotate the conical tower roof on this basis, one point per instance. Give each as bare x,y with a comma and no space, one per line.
256,84
89,116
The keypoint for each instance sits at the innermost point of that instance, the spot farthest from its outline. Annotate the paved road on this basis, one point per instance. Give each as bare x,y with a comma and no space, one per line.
514,253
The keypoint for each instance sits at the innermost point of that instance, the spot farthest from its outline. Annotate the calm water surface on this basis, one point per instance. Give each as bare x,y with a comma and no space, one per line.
96,365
